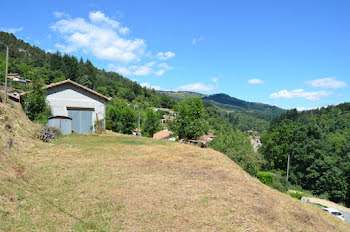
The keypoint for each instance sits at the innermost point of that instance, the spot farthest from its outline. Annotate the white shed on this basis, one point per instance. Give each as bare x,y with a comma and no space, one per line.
83,105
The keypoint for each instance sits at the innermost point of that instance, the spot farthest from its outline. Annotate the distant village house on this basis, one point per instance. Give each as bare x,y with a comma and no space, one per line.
15,77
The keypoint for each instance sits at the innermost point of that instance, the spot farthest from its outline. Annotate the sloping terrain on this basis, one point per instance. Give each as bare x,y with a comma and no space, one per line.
125,183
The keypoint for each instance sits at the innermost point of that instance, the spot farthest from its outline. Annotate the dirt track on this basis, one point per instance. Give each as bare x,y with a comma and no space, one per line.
329,204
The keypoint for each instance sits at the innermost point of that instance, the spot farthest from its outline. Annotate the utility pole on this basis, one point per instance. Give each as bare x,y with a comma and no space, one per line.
139,122
7,57
288,166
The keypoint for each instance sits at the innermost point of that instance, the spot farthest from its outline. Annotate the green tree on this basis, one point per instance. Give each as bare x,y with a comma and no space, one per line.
34,103
150,123
236,146
189,122
120,117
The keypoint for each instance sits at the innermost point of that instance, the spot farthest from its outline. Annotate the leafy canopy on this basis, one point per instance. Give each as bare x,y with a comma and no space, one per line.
189,122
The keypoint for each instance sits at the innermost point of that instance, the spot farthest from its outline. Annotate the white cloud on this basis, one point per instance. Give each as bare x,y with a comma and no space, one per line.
59,14
197,87
101,36
164,66
133,70
98,17
11,30
121,70
299,93
327,83
165,55
196,40
148,86
255,81
160,72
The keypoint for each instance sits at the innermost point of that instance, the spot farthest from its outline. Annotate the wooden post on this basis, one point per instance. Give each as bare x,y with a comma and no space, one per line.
139,122
7,57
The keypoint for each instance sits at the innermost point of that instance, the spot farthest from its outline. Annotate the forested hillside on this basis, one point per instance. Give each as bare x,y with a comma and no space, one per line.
244,115
258,110
318,144
32,63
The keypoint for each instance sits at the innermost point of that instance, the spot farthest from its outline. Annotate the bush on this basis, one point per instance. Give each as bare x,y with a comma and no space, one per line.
236,146
47,134
274,180
265,177
99,127
120,118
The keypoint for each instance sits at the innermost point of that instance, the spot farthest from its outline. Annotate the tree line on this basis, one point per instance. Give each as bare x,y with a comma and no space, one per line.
318,144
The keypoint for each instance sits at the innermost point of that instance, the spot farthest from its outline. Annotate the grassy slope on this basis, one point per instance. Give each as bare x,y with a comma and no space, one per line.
116,182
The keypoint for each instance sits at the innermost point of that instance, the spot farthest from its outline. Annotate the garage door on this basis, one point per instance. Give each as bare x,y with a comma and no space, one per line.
81,120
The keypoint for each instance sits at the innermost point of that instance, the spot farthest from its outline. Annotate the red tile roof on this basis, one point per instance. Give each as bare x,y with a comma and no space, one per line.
162,134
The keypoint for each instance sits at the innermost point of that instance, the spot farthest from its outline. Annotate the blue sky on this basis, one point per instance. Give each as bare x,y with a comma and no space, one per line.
285,53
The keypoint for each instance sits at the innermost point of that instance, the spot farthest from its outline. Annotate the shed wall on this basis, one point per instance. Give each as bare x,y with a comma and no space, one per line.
69,96
64,125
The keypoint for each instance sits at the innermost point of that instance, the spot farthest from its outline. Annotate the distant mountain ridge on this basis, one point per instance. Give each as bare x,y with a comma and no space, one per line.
231,103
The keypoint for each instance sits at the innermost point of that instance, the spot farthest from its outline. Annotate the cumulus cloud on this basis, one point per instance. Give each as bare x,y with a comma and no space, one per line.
163,67
327,83
149,86
255,81
11,30
160,72
133,70
107,39
197,87
165,55
300,93
101,36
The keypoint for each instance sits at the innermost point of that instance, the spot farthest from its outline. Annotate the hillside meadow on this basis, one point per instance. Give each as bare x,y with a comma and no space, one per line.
116,182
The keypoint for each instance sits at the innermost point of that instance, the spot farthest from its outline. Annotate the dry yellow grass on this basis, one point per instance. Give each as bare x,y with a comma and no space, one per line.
124,183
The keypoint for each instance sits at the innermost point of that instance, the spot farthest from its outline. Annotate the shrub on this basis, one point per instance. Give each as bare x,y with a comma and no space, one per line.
265,177
236,146
99,127
120,117
274,180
